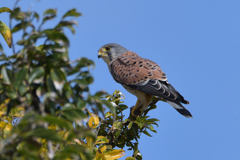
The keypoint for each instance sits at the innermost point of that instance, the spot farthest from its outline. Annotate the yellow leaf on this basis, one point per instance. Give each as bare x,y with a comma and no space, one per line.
53,127
79,141
130,158
42,140
8,128
89,141
108,114
3,124
5,9
101,139
99,156
4,104
6,33
103,148
93,121
43,150
115,154
9,119
2,113
18,112
65,136
6,100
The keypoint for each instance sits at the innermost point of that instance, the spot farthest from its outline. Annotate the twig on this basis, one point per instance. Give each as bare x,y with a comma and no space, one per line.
10,24
50,150
75,61
152,103
16,3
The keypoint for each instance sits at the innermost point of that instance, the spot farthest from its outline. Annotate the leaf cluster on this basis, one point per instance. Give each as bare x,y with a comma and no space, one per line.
43,95
46,109
122,132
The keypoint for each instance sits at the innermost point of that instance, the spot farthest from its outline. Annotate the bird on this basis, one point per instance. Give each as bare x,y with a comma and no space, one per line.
141,77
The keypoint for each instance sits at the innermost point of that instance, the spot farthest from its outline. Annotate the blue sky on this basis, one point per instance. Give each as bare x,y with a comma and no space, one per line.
197,45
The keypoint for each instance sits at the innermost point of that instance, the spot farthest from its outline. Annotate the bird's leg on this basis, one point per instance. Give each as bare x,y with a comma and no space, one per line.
154,100
141,105
137,109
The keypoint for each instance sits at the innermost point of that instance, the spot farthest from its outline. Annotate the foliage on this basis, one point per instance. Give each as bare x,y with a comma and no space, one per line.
4,30
47,111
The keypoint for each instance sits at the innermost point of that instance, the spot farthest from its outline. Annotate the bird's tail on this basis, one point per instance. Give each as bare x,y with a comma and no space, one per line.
179,107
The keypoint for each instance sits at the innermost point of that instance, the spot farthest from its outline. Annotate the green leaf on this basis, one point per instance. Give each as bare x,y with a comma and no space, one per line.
72,13
109,105
49,95
73,114
25,153
84,62
57,36
68,24
60,53
146,132
28,98
82,83
50,84
101,140
73,151
130,125
1,48
89,136
81,104
108,114
6,33
11,94
50,11
81,63
59,121
58,78
139,122
5,75
68,92
5,9
117,125
36,75
23,89
22,42
150,127
130,158
117,133
36,16
17,14
47,134
49,14
89,79
20,77
21,25
152,120
143,118
123,107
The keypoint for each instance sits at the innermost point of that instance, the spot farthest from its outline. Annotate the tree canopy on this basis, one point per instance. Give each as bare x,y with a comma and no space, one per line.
46,109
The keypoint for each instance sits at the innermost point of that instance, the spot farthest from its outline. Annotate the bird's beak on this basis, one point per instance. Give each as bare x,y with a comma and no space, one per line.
101,54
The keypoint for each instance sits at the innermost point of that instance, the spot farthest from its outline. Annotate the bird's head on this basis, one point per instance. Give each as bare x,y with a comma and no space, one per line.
110,52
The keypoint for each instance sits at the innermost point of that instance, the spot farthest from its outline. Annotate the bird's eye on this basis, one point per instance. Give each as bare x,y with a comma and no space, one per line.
108,48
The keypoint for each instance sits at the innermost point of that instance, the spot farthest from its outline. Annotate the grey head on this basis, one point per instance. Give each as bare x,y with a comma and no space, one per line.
111,51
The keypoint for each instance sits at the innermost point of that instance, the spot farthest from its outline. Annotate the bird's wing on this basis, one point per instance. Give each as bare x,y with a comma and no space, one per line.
144,75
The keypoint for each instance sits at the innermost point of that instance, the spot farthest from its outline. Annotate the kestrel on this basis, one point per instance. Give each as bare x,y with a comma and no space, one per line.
141,77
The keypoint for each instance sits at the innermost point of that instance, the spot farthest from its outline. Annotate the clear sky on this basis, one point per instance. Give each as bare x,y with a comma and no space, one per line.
196,43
